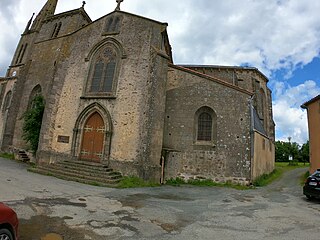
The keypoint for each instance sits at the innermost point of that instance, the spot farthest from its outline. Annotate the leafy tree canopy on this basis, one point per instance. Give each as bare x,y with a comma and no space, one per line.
286,149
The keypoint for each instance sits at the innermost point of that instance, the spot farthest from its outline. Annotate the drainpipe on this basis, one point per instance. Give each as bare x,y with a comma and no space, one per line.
251,135
162,170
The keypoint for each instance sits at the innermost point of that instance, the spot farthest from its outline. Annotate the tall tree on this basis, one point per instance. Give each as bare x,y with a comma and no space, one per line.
304,152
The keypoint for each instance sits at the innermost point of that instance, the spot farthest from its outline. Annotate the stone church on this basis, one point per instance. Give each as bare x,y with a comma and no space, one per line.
114,97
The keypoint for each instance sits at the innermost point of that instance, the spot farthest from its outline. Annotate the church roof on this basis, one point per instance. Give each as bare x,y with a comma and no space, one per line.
133,15
228,67
70,13
217,80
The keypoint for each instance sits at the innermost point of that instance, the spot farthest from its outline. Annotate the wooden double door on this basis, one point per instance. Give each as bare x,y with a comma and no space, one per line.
93,139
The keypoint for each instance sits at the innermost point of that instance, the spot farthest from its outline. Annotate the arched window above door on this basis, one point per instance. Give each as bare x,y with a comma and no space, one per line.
103,74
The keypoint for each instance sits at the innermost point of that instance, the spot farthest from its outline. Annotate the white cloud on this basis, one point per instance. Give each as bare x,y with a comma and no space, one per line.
269,35
291,120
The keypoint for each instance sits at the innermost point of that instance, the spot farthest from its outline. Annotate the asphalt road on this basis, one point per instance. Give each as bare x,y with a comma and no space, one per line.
51,209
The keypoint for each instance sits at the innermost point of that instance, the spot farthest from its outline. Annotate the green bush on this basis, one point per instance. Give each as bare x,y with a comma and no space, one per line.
293,163
32,122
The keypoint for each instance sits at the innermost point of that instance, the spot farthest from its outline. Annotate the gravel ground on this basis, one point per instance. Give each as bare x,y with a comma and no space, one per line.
51,208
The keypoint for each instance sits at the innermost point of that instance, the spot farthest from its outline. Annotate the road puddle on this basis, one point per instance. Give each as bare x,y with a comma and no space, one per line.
52,236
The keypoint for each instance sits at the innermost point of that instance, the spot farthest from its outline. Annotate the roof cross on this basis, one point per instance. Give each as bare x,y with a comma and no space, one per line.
118,5
83,3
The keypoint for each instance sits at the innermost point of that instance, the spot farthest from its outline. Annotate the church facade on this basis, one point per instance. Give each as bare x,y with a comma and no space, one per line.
114,96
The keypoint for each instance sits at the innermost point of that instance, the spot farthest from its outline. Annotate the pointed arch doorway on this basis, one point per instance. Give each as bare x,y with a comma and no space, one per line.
93,139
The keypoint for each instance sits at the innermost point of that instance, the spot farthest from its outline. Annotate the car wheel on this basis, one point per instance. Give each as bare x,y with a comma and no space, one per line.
308,196
5,234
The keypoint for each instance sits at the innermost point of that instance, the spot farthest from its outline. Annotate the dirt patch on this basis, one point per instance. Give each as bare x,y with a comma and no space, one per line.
52,236
46,228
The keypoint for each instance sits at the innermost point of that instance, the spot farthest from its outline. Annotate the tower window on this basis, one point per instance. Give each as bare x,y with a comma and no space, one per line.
56,30
22,51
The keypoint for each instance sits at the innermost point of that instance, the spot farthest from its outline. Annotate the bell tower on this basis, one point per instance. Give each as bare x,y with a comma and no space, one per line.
47,10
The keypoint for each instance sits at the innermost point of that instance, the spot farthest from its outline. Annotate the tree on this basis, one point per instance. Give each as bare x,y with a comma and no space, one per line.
32,122
304,152
286,149
282,150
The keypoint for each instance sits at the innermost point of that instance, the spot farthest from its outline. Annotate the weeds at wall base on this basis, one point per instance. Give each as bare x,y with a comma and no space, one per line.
135,182
7,155
205,183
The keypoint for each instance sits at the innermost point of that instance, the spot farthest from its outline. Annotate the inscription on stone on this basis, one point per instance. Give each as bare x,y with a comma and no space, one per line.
63,139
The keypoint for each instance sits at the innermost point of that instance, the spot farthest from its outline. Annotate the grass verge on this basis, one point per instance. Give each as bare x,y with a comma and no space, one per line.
205,183
280,168
304,177
135,182
7,155
266,179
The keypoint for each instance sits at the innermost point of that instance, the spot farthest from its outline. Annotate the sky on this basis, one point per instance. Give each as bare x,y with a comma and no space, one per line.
279,37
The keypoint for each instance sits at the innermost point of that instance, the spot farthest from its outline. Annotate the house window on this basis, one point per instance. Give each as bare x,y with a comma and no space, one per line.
103,71
205,125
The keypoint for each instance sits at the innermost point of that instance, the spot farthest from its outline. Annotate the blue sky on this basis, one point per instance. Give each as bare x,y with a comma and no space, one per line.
279,37
308,71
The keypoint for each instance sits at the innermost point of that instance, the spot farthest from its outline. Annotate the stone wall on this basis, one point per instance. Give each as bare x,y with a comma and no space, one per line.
227,157
264,155
136,111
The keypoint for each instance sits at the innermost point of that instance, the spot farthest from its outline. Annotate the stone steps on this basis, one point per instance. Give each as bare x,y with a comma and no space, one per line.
85,172
23,156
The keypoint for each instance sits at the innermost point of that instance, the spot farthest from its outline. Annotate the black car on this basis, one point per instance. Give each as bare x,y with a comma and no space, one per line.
311,187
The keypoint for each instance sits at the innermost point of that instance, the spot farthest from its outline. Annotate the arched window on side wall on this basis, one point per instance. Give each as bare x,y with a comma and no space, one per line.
36,91
206,125
7,101
261,107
